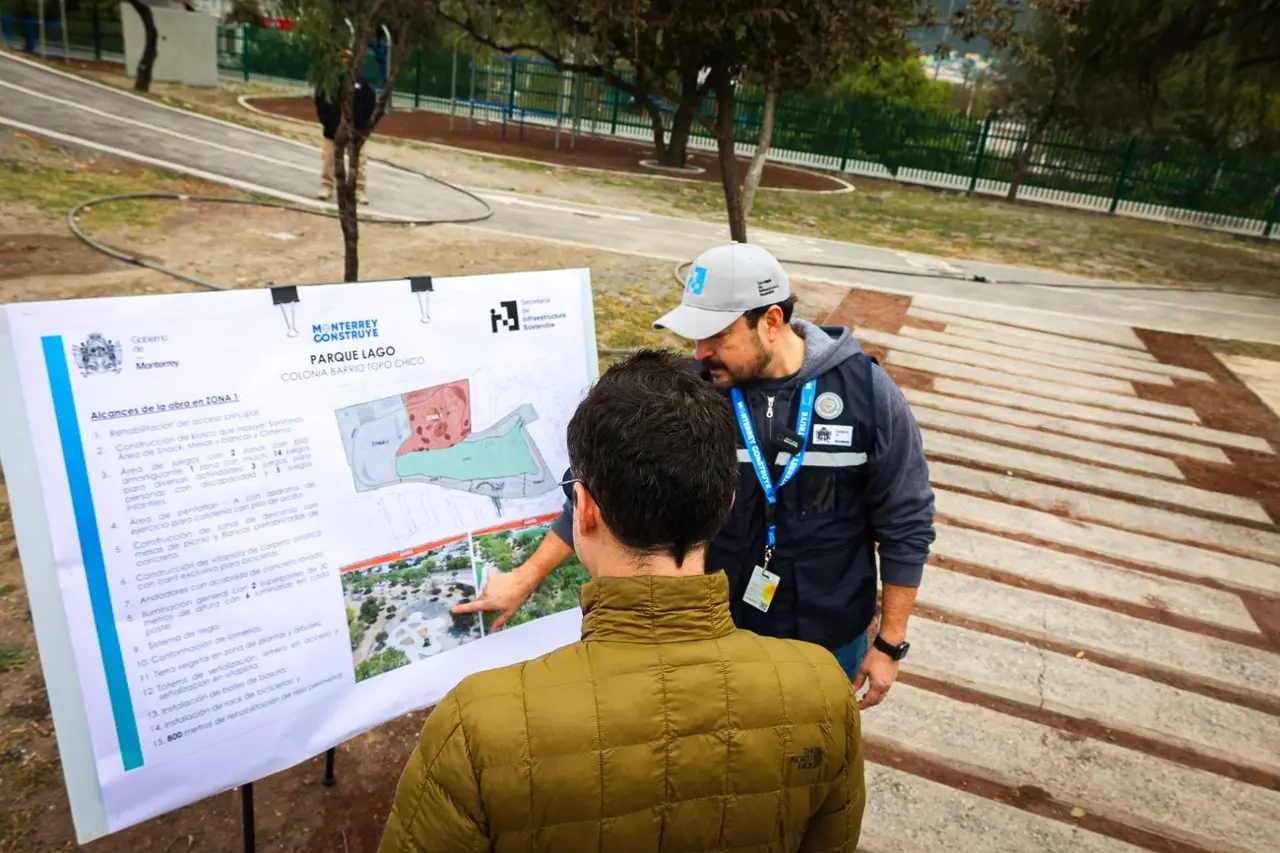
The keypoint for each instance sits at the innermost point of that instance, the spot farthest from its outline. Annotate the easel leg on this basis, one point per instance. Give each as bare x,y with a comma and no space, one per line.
328,780
246,812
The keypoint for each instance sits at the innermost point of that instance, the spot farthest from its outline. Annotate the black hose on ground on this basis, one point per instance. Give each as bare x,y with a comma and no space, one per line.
73,223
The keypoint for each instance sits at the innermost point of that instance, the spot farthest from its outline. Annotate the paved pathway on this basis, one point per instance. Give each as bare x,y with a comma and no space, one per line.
1088,672
50,103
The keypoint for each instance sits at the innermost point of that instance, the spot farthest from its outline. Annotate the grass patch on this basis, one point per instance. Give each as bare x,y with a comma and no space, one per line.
8,589
12,656
56,191
624,320
917,219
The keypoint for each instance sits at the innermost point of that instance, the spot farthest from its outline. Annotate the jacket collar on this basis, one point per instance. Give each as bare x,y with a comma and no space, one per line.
656,609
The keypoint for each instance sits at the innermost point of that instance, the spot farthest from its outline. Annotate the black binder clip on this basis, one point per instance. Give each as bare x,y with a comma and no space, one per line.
286,296
421,285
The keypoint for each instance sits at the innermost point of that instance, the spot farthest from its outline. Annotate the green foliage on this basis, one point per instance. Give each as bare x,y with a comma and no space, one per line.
558,592
383,661
463,623
12,656
369,609
410,573
898,84
1206,70
355,628
682,52
244,12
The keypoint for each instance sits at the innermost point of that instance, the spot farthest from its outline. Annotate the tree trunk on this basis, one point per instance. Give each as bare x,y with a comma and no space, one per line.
147,62
348,143
1023,162
676,152
756,171
659,130
725,110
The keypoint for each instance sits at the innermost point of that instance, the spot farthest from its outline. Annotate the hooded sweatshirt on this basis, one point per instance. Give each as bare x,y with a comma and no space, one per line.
898,496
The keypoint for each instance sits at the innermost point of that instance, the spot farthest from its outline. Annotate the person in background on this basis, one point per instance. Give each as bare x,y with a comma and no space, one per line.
330,116
665,727
832,469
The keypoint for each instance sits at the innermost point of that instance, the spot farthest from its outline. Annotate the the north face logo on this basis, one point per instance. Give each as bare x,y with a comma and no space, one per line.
809,759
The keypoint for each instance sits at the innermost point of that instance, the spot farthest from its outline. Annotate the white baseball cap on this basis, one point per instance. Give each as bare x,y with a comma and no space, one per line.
723,284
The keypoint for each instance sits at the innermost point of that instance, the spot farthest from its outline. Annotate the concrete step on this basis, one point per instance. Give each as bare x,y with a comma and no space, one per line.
1071,573
1015,366
908,814
1065,426
1246,670
1082,689
1046,390
1092,476
1031,402
1032,353
1110,511
1090,451
1072,328
1130,787
1186,560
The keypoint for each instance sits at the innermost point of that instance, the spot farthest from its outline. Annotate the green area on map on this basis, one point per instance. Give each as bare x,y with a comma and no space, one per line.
487,458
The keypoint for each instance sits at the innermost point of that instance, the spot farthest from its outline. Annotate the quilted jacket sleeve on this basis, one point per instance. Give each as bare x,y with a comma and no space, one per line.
437,808
837,824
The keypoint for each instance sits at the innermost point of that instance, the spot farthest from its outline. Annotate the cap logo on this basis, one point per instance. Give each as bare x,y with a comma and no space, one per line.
767,286
696,281
828,405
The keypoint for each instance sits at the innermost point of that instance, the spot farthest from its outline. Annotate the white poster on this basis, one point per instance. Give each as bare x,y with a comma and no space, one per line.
244,517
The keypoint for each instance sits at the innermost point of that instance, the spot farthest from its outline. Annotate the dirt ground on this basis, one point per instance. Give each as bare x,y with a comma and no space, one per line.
241,247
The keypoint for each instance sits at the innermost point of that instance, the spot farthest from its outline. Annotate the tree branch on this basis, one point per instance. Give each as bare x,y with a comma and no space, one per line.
604,72
393,74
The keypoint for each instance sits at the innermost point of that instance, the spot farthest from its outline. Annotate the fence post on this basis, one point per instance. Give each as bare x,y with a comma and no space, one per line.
97,33
453,84
981,152
1270,227
244,51
616,97
848,136
417,78
1124,174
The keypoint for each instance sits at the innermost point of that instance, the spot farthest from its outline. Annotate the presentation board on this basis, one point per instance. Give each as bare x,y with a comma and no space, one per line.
244,517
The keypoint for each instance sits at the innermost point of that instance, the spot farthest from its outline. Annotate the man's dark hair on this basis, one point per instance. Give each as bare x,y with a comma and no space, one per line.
654,445
787,305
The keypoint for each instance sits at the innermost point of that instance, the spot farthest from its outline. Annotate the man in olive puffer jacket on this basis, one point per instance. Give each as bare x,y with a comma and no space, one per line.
666,728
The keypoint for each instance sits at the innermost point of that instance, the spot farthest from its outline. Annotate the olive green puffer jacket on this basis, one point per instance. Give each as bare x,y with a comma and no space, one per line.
664,729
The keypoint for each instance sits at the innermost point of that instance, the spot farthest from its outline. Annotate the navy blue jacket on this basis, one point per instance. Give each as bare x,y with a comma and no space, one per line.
330,115
864,482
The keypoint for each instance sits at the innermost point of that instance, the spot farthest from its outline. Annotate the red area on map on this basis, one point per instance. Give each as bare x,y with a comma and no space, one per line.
439,416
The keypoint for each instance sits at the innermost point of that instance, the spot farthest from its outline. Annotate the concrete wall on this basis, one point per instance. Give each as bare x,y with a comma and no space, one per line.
186,50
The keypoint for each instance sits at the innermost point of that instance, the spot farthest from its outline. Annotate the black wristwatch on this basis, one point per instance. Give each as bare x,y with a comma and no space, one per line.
895,652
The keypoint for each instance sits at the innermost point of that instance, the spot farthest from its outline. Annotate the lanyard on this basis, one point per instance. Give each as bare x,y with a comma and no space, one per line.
807,394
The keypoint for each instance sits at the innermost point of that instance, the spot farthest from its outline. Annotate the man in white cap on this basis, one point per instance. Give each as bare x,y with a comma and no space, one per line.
831,465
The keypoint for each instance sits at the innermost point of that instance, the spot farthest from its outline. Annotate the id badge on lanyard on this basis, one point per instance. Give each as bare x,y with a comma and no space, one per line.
764,583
